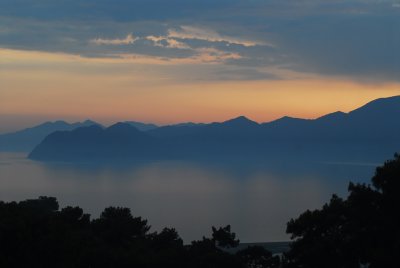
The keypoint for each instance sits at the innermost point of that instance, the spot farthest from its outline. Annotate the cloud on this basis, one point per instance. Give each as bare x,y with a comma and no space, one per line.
354,38
190,32
163,41
128,40
174,37
212,55
200,56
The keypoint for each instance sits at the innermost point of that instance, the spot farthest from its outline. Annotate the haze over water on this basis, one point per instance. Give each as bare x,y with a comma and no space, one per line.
195,114
257,199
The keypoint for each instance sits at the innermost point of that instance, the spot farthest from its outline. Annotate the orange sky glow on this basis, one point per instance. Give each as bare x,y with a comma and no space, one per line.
61,86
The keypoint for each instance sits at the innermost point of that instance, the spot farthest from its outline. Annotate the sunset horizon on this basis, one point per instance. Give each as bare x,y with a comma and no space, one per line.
200,133
201,62
296,108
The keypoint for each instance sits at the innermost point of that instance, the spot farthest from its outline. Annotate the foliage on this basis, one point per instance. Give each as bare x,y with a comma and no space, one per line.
223,237
258,257
362,229
35,233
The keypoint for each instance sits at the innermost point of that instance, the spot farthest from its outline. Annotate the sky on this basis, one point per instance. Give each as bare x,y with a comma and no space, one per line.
169,61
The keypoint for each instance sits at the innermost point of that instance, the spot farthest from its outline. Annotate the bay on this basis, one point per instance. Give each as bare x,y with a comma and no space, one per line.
256,198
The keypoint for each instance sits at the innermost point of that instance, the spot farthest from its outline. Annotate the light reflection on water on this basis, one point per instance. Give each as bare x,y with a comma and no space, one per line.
256,199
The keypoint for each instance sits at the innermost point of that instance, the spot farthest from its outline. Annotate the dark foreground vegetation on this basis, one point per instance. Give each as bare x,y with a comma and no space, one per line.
360,230
35,233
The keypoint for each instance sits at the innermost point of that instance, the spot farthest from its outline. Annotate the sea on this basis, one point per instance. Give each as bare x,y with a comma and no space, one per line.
257,198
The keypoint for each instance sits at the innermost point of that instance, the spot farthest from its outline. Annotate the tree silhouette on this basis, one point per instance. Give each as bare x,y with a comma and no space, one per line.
223,237
363,229
117,226
258,257
35,233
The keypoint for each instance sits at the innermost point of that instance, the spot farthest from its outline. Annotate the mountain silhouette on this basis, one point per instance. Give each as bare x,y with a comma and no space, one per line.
239,122
118,141
371,130
25,140
230,127
176,130
141,126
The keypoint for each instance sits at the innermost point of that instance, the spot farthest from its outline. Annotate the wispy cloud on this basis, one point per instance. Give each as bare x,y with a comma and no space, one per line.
164,41
201,56
190,32
205,54
337,38
129,39
212,55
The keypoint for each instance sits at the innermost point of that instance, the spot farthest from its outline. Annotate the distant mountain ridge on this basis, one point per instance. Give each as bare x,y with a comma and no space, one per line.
142,126
94,141
372,129
25,140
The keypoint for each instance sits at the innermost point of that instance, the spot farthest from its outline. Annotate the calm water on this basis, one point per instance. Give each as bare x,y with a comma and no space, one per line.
256,199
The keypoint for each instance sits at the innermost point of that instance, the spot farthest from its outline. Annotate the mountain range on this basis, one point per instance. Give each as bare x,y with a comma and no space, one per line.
371,130
25,140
